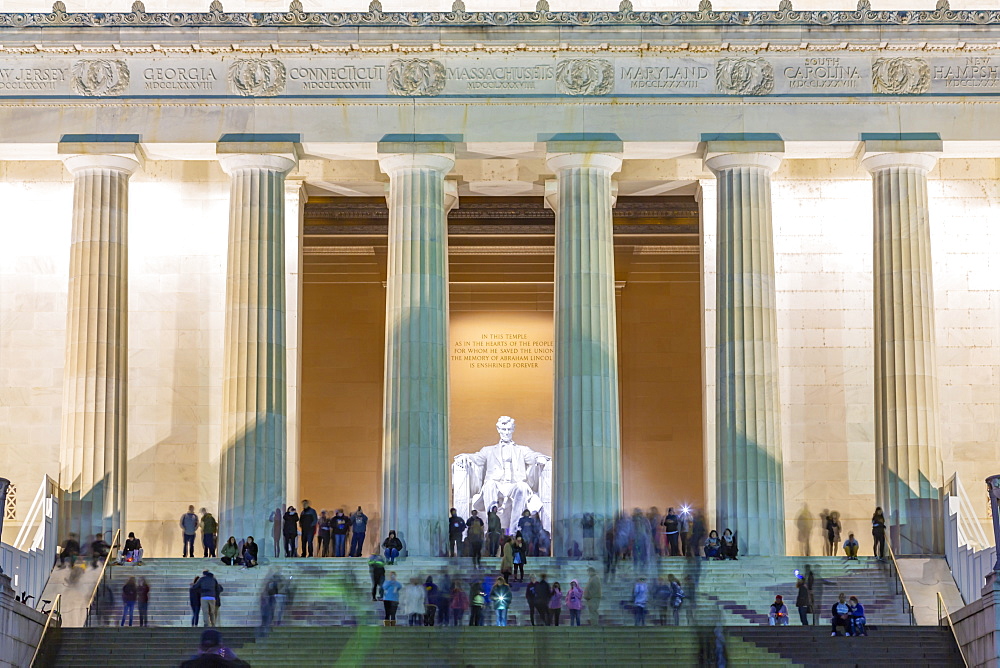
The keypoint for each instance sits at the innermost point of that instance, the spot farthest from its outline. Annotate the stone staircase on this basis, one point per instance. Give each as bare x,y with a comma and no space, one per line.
909,646
484,647
337,592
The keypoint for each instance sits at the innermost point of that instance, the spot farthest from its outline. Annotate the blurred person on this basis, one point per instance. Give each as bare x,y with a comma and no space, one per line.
543,592
142,601
376,568
277,521
70,550
500,596
592,594
476,532
642,539
555,604
129,596
507,559
526,527
99,550
640,598
433,601
529,597
194,597
477,599
802,601
444,599
832,526
574,602
459,604
587,525
390,598
494,530
686,531
519,549
211,652
676,598
672,529
413,602
323,527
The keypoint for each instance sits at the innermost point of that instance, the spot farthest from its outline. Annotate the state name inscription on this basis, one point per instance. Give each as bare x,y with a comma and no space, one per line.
502,350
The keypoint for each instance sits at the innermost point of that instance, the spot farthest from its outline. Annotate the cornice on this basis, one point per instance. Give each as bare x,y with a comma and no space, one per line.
705,15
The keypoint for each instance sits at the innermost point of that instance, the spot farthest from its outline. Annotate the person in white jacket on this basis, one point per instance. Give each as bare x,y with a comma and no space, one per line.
413,602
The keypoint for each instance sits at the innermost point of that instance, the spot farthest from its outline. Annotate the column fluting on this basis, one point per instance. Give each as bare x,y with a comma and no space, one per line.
94,450
587,448
908,467
750,487
252,463
415,407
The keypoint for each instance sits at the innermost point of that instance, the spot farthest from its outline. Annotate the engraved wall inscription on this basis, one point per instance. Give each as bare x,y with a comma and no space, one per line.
38,79
663,76
976,72
502,350
823,73
489,78
337,78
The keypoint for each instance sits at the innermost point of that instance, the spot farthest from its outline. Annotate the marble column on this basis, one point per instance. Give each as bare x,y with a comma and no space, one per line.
94,443
907,451
587,448
415,408
252,466
750,494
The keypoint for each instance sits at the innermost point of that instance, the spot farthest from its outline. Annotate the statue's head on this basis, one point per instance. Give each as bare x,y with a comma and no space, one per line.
505,427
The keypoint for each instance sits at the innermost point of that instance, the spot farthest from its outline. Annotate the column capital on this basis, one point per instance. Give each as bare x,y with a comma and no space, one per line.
609,162
271,162
718,162
393,163
875,162
77,158
550,198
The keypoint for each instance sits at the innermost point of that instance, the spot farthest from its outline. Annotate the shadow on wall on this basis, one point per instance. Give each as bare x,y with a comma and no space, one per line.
804,526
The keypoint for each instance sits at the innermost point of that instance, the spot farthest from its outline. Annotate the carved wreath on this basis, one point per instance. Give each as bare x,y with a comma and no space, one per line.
585,76
257,77
744,76
415,76
98,78
901,76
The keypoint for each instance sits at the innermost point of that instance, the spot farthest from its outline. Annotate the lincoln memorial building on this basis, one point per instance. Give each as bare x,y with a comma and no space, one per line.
746,261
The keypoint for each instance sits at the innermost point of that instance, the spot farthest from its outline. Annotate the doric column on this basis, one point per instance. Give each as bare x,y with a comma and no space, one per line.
252,463
587,448
94,450
415,407
907,455
750,494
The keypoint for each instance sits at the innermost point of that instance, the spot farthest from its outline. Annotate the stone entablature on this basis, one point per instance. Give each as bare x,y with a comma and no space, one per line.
459,17
479,75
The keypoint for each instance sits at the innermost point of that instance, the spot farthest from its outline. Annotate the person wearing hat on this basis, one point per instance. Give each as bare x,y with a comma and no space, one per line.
778,613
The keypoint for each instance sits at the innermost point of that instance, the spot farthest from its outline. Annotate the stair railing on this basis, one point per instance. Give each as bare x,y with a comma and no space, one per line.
94,604
52,621
901,585
945,617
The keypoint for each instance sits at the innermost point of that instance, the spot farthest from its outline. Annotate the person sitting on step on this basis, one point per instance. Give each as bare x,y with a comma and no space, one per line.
713,547
132,552
392,546
851,547
730,548
858,620
231,552
841,614
777,615
250,552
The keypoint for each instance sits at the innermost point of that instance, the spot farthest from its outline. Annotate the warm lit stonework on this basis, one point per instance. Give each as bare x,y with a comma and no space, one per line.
741,259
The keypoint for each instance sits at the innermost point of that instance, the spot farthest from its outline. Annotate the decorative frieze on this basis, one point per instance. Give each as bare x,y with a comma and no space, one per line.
458,17
494,75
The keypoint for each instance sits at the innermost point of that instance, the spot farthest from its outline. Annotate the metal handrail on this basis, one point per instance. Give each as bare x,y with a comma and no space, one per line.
907,601
100,576
968,523
54,614
942,606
